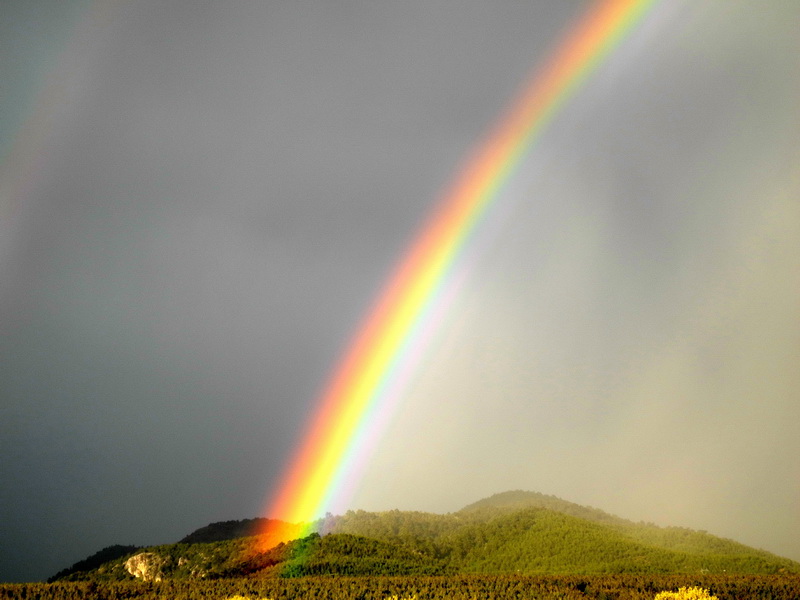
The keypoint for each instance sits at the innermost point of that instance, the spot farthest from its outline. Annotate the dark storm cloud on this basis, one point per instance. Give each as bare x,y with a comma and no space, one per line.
223,194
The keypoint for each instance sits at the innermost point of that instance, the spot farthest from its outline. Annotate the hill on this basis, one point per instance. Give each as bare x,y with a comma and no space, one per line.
514,532
223,530
95,561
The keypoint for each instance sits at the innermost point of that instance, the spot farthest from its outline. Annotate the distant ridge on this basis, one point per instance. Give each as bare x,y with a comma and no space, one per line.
515,532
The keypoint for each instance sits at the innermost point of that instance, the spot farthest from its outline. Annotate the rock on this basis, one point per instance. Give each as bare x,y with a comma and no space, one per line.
147,566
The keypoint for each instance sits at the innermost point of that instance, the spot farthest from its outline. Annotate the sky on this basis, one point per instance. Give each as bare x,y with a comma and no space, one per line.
200,200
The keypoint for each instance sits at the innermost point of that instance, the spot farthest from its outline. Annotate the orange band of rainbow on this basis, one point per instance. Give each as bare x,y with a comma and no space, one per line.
394,326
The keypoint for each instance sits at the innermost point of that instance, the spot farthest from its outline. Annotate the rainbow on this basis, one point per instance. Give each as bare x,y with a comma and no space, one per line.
367,381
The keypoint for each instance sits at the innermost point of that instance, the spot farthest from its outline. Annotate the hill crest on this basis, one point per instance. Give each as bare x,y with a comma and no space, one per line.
511,532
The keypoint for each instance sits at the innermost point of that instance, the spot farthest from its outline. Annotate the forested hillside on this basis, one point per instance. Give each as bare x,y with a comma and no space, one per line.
95,560
223,530
512,533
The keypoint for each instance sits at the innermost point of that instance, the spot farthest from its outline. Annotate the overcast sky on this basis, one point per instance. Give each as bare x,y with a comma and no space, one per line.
199,201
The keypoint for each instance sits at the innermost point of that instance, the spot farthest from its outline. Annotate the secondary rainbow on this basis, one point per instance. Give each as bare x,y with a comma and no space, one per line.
365,384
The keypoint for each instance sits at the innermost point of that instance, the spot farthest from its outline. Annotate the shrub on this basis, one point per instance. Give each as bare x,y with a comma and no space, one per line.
684,593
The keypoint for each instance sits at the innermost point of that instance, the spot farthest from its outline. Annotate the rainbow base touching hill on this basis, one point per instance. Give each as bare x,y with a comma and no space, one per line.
516,532
279,532
368,384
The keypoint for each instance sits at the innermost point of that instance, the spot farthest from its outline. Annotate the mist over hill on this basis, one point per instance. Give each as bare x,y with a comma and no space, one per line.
514,532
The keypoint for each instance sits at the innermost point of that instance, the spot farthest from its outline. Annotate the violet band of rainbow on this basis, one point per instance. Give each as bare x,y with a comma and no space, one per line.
368,380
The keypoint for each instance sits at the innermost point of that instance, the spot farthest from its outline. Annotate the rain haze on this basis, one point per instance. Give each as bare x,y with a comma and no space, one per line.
199,201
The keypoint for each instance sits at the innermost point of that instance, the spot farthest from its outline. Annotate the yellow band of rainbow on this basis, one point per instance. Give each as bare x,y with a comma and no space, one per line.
396,323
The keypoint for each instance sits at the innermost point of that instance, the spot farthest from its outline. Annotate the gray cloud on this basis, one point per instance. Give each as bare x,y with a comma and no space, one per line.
205,199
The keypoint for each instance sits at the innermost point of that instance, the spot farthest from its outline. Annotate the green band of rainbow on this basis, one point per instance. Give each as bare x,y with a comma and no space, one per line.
368,378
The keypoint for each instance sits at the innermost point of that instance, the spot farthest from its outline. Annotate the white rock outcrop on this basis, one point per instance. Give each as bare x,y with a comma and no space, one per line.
147,566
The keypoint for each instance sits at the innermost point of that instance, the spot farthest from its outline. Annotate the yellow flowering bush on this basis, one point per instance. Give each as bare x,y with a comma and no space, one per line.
686,593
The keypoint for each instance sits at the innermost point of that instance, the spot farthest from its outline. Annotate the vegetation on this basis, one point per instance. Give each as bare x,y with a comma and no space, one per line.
456,587
224,530
684,593
513,545
530,533
95,561
342,554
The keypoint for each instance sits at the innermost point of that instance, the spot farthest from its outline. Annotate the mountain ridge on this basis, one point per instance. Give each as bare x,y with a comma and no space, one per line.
510,532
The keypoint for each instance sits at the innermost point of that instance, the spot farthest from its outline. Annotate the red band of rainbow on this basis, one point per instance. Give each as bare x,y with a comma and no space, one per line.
396,326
